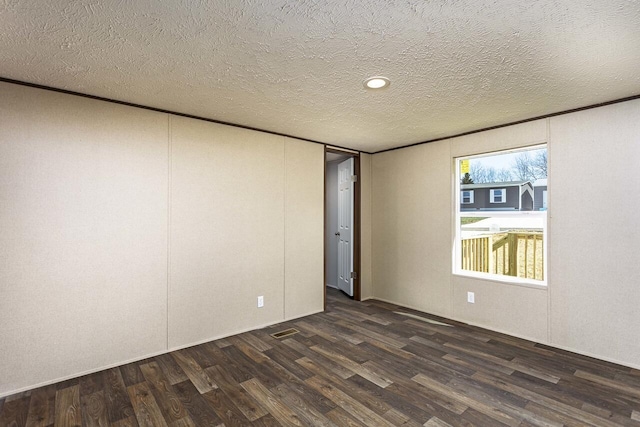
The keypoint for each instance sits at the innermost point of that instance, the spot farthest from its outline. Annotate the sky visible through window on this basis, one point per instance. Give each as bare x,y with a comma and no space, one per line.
525,165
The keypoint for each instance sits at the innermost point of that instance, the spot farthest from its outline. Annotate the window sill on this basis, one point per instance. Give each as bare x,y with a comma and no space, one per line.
510,281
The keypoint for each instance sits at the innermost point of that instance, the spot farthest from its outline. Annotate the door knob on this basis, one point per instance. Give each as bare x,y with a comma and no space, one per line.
337,233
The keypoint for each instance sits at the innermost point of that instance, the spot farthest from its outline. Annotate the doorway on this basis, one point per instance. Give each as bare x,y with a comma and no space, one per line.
342,222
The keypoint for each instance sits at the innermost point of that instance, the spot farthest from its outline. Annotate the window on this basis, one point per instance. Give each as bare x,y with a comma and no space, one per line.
498,195
503,235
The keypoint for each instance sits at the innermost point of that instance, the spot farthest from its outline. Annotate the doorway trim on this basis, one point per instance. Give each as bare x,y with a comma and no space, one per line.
356,222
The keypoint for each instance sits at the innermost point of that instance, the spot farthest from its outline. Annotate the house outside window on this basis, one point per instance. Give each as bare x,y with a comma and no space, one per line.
498,195
466,197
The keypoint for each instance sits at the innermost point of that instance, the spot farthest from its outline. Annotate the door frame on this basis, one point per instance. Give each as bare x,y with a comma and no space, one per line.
356,222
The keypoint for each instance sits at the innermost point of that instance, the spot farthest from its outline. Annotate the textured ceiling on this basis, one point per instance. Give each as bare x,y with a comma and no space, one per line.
296,66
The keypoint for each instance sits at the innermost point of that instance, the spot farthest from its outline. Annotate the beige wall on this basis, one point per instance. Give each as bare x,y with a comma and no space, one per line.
304,228
590,304
227,228
366,282
513,309
594,233
83,247
411,222
126,233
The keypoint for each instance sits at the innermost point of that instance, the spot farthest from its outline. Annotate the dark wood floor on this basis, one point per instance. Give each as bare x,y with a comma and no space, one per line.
357,364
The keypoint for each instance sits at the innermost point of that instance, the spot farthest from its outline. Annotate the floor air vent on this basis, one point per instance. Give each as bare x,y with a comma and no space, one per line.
284,334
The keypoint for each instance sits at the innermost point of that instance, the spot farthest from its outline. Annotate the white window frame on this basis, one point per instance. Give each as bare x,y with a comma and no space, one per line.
503,195
470,202
457,245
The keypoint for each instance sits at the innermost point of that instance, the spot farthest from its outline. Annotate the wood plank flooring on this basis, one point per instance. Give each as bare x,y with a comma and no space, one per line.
357,364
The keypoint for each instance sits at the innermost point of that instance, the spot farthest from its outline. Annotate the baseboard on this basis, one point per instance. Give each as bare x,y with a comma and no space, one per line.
511,334
80,374
446,316
594,356
556,346
154,354
242,331
331,286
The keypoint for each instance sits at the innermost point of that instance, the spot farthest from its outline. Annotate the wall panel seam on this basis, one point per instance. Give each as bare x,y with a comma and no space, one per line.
370,226
549,284
284,229
452,228
169,183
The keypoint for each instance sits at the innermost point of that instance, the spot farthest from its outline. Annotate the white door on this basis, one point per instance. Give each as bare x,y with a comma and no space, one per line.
345,225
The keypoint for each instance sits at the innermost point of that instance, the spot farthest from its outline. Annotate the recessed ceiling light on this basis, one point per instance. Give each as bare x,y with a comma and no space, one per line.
377,82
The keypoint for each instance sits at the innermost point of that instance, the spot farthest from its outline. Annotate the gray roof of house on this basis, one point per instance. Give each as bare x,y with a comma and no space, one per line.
494,185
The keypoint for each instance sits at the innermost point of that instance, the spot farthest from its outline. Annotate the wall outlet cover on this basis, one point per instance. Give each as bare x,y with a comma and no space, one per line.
260,301
471,297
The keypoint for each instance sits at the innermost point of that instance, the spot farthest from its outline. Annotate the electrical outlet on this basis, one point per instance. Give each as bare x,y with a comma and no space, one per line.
260,301
471,297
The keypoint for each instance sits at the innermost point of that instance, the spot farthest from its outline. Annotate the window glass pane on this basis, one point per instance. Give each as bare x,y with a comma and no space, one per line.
502,232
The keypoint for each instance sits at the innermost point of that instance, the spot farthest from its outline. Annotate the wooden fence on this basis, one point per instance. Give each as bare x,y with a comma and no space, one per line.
518,254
